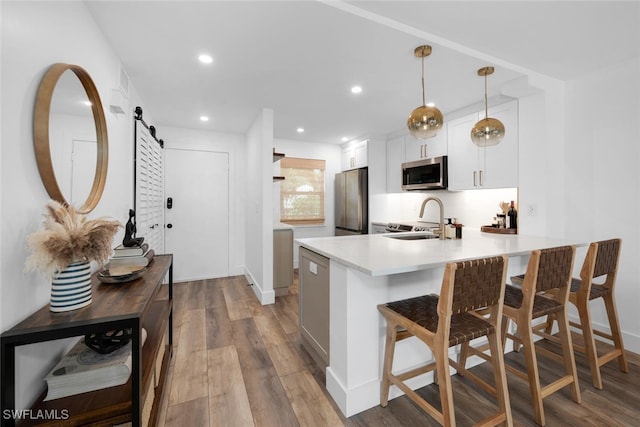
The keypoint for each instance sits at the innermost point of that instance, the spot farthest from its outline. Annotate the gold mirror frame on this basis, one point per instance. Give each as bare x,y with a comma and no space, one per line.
41,135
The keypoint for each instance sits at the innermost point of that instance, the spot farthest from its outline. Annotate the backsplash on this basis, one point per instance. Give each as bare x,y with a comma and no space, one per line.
472,208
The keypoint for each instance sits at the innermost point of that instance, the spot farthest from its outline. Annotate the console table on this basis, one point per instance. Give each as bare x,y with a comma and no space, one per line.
143,302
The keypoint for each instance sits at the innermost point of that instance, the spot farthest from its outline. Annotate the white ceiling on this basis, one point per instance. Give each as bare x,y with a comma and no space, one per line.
300,58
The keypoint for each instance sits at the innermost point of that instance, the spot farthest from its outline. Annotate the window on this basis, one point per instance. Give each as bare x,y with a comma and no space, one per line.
302,191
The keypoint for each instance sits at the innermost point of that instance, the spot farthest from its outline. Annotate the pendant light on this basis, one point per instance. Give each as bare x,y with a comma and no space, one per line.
425,121
488,131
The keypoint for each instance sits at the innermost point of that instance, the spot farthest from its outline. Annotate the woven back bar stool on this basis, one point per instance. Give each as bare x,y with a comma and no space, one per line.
447,320
548,270
601,264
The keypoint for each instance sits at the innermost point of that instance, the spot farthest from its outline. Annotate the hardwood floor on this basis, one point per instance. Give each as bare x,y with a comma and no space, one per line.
238,363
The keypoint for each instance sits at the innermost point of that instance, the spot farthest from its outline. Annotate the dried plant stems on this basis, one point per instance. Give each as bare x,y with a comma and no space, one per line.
67,237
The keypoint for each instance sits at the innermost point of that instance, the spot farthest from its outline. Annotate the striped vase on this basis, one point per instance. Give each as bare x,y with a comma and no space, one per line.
71,287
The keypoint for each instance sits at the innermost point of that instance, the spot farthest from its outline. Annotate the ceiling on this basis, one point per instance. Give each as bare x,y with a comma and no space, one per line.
300,58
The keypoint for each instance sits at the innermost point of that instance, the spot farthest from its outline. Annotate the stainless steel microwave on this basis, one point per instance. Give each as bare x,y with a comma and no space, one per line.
427,174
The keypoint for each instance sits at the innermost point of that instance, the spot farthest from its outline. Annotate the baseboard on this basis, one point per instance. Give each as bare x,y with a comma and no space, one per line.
630,341
366,395
264,297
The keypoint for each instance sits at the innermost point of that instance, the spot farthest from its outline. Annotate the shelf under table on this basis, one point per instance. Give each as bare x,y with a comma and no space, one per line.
144,302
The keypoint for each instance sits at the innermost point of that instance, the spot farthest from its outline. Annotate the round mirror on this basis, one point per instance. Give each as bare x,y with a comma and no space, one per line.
70,137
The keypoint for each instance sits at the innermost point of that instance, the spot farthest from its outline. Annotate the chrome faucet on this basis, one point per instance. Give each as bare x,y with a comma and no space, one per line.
441,235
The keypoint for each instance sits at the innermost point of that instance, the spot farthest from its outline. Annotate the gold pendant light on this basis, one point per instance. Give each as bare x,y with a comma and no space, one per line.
488,131
425,121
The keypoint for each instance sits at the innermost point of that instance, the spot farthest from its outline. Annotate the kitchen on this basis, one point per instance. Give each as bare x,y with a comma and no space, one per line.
558,195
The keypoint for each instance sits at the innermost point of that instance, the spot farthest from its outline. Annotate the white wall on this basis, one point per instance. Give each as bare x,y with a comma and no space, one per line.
35,35
234,146
308,150
533,179
602,178
259,213
471,208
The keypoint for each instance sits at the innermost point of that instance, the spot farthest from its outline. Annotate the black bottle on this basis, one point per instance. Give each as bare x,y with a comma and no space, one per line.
513,216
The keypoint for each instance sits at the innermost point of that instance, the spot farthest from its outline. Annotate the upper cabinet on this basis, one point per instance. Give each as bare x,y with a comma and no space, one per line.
395,158
354,155
418,149
406,148
472,167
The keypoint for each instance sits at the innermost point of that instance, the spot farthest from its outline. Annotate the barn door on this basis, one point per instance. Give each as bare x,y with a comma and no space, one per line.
149,193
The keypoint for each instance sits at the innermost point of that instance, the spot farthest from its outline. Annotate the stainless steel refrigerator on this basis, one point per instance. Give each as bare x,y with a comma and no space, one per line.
352,204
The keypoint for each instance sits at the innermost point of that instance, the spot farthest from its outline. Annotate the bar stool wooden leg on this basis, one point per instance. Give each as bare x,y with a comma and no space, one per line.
567,352
441,355
500,377
616,334
589,342
531,362
389,348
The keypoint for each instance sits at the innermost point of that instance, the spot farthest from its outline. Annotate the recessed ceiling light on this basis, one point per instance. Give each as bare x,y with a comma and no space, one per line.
345,139
300,130
204,118
356,89
205,59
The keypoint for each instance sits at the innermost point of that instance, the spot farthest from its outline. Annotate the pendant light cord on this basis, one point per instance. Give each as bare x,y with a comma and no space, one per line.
486,108
423,97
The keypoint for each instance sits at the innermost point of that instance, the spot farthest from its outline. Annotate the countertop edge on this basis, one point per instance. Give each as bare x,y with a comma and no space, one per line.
409,257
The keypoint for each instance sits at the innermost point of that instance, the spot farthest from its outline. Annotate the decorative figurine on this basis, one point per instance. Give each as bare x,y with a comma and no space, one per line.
130,232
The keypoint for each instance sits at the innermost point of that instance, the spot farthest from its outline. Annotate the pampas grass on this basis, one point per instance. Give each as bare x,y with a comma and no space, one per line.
69,237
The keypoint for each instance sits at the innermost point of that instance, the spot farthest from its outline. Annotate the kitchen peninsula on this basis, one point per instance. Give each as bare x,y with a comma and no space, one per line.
367,270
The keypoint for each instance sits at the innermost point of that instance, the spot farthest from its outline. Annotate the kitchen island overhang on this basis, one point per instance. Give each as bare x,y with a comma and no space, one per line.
368,270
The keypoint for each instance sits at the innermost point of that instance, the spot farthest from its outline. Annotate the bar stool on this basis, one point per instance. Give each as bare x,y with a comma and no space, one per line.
447,320
547,270
601,260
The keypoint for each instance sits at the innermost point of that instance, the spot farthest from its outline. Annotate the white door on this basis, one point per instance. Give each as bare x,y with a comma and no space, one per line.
197,225
83,170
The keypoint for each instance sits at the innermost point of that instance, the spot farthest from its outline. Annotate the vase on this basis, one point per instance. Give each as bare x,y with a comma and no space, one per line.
71,287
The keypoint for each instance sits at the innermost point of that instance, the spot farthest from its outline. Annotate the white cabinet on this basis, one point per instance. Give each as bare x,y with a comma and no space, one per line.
501,161
314,273
463,154
354,155
395,158
418,149
472,167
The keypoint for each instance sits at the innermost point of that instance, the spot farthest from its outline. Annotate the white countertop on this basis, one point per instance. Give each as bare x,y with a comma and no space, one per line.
380,255
282,226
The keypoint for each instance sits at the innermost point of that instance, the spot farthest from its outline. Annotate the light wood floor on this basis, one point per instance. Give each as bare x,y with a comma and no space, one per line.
237,363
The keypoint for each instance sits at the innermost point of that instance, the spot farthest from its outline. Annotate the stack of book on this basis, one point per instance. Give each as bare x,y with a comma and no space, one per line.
82,370
131,256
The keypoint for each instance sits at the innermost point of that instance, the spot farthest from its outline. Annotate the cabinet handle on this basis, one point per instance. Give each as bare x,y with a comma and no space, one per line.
475,181
422,151
481,179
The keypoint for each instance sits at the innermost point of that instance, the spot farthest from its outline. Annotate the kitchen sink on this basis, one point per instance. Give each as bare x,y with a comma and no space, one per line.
411,236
